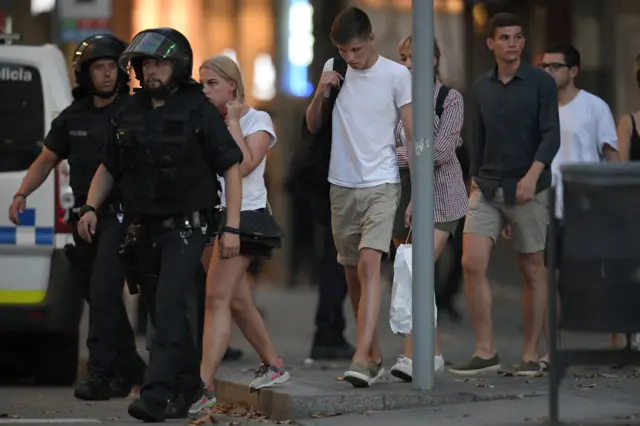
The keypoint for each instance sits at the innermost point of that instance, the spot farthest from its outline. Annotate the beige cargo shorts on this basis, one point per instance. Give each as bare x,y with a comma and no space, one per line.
528,221
362,218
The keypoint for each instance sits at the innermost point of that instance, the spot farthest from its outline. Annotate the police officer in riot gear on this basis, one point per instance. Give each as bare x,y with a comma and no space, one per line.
167,147
78,134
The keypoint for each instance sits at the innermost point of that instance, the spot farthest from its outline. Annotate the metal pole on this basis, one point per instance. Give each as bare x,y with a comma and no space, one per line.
422,195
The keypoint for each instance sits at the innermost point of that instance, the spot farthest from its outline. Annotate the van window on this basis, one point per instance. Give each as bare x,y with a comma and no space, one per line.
21,116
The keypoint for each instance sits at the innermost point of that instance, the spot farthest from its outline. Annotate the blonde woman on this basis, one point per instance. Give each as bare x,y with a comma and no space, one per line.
228,291
450,193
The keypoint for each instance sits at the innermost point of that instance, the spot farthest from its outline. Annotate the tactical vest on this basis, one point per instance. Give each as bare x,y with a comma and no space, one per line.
161,155
86,128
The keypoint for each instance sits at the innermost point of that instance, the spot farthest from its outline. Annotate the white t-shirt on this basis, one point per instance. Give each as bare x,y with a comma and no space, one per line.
363,148
586,125
254,191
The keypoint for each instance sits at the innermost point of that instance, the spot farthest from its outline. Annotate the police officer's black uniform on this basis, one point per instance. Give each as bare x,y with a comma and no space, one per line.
78,134
167,159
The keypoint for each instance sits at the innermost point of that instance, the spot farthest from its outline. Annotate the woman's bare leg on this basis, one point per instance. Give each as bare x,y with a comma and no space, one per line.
223,278
251,324
440,239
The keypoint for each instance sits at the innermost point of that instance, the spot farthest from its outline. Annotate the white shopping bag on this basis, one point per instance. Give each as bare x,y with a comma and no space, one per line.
400,313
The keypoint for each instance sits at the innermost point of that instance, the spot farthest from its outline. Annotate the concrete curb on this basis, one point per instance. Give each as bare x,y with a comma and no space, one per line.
301,399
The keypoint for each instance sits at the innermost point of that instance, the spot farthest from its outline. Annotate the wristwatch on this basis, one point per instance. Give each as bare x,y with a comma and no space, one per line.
86,209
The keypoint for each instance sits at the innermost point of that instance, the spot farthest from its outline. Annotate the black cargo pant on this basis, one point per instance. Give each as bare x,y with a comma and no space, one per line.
332,291
100,269
168,263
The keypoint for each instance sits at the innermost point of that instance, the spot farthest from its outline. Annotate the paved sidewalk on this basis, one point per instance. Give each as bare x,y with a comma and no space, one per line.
315,388
314,396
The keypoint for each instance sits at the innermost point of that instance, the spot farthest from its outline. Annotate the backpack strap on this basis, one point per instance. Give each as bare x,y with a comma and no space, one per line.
339,66
442,96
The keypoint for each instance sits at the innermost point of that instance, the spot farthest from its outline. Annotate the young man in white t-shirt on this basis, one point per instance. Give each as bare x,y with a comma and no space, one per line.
587,127
363,171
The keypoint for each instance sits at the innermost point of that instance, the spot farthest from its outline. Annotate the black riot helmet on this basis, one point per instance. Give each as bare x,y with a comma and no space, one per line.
101,46
162,44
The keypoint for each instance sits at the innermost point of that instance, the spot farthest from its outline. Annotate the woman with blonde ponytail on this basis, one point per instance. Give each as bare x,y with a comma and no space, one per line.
228,292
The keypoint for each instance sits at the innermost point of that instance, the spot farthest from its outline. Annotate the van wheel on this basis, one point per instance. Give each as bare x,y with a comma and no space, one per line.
57,360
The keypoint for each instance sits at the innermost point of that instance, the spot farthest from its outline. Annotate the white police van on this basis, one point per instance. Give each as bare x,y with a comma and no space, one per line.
40,306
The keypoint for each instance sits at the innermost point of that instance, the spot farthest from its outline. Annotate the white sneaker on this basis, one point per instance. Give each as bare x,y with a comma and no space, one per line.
404,367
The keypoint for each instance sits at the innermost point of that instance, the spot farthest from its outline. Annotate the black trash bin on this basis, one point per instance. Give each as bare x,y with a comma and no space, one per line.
599,265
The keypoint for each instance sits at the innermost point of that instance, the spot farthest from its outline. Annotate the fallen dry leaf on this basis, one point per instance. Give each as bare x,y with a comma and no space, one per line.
592,375
238,411
203,420
484,385
324,415
535,419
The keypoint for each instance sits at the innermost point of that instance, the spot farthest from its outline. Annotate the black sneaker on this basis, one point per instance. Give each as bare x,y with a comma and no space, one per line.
477,366
333,352
93,389
145,411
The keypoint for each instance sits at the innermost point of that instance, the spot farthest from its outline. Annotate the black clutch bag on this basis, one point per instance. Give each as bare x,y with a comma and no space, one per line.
257,227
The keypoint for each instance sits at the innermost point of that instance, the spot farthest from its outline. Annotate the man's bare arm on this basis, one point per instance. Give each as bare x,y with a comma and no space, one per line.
100,187
38,171
314,112
406,116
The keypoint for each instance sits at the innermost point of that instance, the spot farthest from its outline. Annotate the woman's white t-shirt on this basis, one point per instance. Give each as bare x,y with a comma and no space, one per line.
254,191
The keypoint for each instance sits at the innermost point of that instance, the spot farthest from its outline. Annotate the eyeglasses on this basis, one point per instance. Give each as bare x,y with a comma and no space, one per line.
553,66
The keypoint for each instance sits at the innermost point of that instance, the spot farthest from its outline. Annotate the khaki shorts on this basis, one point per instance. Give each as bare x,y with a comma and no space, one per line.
362,218
528,221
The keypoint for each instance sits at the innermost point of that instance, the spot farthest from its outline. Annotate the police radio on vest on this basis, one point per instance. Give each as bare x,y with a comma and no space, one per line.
15,74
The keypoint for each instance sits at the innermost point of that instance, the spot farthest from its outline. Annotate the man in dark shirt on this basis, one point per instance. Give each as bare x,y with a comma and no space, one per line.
516,135
168,144
78,135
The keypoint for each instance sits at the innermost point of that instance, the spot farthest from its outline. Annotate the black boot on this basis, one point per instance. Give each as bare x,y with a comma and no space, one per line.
179,404
131,375
145,411
93,389
332,349
232,354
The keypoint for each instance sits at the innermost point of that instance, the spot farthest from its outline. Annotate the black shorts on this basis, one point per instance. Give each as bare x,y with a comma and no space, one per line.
559,245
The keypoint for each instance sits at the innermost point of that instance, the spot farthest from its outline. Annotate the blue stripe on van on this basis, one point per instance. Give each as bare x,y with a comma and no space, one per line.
43,236
8,235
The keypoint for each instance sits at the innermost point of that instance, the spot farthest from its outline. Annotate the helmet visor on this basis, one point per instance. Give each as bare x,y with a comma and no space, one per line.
150,44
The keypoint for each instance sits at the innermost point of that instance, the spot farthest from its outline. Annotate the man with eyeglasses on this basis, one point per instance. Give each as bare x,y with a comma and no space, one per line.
587,128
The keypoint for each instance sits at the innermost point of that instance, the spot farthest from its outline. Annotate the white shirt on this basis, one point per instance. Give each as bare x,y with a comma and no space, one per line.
586,125
363,147
254,191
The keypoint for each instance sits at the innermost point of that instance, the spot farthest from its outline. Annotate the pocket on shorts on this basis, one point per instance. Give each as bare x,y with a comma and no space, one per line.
542,198
475,199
